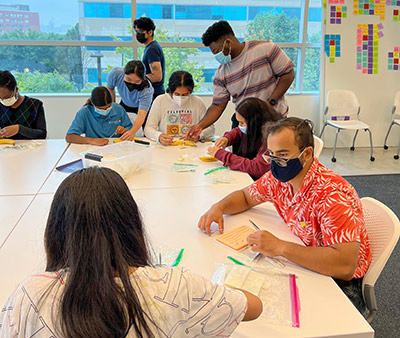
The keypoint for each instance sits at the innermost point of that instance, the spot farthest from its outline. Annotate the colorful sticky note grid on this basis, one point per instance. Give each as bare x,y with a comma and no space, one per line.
332,46
333,2
368,36
394,59
337,13
370,7
393,2
396,16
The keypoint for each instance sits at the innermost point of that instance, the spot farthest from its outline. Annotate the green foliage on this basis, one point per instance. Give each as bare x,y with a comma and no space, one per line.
37,82
272,26
175,58
66,61
280,28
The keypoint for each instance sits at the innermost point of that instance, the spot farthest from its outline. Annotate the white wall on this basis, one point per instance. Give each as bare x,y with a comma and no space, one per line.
60,111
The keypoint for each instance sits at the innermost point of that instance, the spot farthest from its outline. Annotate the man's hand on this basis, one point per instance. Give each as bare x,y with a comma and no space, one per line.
9,131
193,133
165,139
265,242
98,141
221,142
213,215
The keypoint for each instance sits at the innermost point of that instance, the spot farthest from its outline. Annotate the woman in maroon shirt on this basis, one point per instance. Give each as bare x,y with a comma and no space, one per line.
252,114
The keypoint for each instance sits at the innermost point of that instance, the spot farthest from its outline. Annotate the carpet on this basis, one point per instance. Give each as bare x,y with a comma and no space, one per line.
386,189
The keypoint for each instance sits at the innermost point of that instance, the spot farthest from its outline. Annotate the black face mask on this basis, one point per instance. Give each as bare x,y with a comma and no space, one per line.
140,37
133,86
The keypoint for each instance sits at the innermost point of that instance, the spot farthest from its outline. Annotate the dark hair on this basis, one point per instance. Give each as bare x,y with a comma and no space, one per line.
7,80
216,31
144,23
137,67
99,97
303,130
256,114
95,232
178,79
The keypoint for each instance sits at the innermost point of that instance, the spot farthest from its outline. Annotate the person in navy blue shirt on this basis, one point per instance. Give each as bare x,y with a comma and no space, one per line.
136,94
99,119
153,56
21,117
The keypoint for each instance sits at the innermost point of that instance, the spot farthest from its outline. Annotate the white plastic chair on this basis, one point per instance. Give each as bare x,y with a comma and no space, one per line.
395,113
318,145
343,108
383,229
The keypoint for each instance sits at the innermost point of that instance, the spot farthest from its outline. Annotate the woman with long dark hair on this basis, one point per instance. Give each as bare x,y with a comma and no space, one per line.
252,114
172,114
99,280
136,94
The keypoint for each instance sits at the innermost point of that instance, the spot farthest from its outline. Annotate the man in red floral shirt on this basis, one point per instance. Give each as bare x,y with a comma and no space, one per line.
319,206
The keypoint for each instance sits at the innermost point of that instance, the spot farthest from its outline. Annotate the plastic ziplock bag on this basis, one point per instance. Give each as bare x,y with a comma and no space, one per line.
27,146
273,288
184,167
167,256
219,175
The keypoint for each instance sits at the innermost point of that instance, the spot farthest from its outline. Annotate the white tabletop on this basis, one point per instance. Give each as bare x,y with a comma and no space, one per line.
11,209
161,175
170,217
23,170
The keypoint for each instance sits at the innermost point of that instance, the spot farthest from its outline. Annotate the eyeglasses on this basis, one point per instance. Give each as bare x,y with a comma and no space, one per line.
282,162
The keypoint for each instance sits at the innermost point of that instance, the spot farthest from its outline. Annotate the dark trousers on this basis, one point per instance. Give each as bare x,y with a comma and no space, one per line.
353,290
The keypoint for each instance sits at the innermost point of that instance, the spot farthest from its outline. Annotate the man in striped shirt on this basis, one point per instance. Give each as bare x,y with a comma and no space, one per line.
248,69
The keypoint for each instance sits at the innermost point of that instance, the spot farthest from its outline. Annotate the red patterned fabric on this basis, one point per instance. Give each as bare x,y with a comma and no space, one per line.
326,210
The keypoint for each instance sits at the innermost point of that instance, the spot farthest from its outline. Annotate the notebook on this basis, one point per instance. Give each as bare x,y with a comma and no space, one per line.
236,239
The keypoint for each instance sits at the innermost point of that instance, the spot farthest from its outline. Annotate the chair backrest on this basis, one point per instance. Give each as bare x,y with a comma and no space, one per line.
383,229
342,103
318,145
396,104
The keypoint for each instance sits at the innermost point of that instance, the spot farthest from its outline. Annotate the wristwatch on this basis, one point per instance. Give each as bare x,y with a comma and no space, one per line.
272,102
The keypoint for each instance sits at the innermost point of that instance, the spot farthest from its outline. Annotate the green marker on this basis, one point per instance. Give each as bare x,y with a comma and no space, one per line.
235,261
178,259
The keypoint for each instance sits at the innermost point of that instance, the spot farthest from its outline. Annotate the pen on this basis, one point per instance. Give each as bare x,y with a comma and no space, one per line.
159,258
270,260
235,261
254,225
178,259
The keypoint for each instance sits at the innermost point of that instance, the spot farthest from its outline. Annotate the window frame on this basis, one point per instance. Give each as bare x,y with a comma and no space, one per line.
301,46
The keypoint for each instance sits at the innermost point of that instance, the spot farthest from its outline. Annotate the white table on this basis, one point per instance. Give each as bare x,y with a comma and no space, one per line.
11,209
160,176
171,206
23,171
171,216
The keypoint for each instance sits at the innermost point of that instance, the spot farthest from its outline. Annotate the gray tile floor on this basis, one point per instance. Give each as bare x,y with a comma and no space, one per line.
357,162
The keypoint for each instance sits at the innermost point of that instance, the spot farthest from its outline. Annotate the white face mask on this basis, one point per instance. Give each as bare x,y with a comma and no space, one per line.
180,100
10,101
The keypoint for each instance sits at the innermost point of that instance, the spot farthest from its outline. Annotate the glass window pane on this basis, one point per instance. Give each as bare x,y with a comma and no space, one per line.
43,20
274,20
293,54
53,69
314,22
312,64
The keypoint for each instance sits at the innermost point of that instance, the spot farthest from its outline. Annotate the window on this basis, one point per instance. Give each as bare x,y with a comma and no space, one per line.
116,11
92,29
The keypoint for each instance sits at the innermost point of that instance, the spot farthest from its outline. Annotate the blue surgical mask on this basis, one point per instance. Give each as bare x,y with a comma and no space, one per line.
221,57
243,129
102,112
285,174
